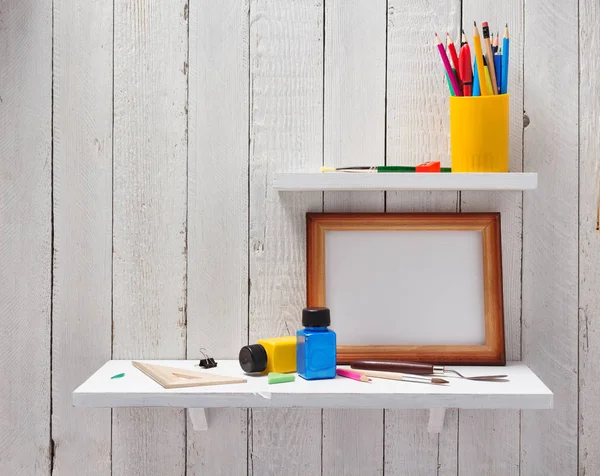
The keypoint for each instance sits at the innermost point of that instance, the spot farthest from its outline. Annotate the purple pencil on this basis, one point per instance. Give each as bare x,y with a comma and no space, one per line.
440,45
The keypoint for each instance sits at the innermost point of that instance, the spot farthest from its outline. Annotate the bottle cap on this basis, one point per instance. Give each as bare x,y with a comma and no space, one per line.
253,358
316,317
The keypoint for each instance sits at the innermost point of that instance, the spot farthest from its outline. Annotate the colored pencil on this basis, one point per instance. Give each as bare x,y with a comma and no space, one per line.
449,85
453,81
498,67
453,57
352,375
476,88
496,44
490,56
479,59
505,47
488,81
465,71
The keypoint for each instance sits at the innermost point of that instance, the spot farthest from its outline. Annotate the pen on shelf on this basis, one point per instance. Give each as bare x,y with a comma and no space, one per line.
464,62
479,59
454,57
489,56
505,48
453,81
368,169
352,375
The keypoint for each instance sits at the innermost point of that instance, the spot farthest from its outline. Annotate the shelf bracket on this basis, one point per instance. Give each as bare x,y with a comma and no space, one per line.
198,419
436,420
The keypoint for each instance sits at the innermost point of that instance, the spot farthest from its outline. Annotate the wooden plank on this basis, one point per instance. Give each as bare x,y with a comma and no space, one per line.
550,243
286,71
26,238
149,234
417,131
354,134
489,441
589,237
81,330
218,235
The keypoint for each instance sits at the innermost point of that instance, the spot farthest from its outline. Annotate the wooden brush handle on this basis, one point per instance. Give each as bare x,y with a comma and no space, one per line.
404,367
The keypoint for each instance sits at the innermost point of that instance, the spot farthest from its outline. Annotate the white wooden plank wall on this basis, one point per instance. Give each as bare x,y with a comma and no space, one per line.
416,131
489,441
25,236
286,131
217,303
149,235
124,235
589,237
82,292
354,134
550,235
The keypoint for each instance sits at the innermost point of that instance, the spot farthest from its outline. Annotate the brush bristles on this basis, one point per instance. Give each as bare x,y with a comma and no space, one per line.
438,380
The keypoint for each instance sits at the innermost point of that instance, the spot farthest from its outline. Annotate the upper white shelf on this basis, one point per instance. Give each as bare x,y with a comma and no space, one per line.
524,390
303,182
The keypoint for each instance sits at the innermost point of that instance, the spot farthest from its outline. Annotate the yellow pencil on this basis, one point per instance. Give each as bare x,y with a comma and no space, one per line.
490,56
479,58
488,81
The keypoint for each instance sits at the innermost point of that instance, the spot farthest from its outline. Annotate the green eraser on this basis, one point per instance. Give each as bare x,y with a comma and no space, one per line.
275,377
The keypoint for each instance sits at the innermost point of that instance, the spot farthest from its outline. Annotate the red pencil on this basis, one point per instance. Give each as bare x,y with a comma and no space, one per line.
453,56
465,70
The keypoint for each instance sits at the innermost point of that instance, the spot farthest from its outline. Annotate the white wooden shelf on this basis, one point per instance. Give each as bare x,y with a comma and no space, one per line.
332,181
524,390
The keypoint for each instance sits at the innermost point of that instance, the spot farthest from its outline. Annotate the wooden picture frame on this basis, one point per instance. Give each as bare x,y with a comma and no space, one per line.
487,251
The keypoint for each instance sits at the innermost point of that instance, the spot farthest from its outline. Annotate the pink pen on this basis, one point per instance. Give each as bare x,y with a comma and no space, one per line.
352,375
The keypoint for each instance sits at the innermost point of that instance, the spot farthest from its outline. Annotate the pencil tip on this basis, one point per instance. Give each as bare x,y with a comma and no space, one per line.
463,31
507,25
474,23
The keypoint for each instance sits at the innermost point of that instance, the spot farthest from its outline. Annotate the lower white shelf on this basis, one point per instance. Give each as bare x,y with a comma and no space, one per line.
524,390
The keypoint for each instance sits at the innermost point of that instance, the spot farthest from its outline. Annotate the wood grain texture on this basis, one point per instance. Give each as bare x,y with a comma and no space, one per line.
26,236
417,131
286,73
354,134
149,234
589,238
550,244
218,215
81,330
487,439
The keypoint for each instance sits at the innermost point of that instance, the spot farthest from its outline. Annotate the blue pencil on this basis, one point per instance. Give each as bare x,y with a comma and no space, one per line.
504,80
498,68
476,88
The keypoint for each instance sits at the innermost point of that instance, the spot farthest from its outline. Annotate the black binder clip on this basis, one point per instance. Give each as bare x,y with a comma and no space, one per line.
207,362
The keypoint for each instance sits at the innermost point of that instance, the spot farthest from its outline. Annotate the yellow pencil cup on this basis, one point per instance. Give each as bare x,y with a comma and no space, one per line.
479,133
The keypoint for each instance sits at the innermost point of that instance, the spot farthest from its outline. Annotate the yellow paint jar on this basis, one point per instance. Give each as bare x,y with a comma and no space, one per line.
479,133
275,354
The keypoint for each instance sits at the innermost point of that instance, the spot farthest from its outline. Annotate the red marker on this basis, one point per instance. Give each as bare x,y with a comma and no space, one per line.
464,67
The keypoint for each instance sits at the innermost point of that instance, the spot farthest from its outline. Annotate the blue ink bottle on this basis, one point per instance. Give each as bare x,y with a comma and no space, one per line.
315,345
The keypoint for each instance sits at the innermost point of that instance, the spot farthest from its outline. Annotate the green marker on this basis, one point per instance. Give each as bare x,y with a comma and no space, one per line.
118,376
